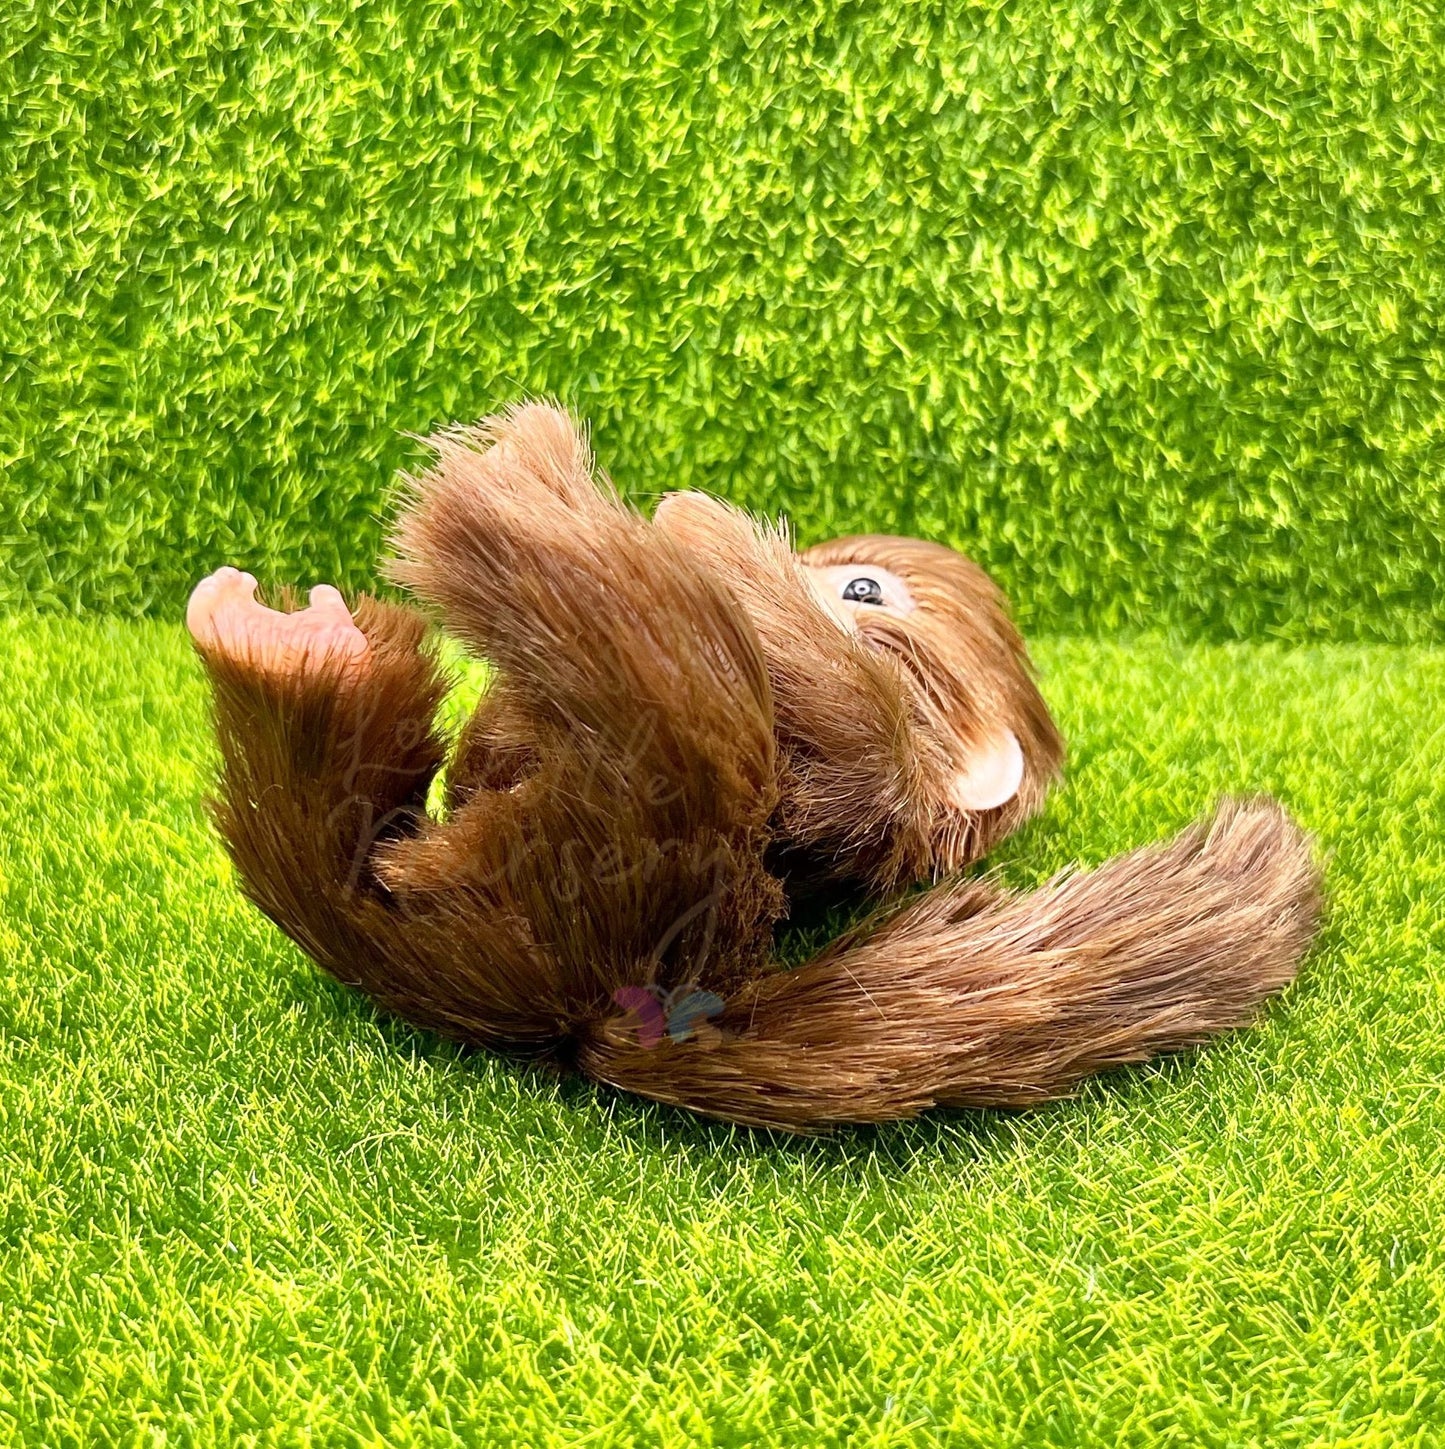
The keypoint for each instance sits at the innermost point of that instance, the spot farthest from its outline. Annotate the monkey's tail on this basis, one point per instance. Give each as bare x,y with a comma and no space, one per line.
968,996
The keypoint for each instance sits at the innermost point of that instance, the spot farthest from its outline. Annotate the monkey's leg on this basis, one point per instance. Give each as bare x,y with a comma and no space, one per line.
325,731
324,726
327,751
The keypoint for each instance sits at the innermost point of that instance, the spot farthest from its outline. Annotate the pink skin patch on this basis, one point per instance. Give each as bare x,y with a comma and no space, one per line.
223,615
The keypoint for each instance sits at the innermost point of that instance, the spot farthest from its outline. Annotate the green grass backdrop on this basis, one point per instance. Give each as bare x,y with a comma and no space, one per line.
1137,299
1138,302
238,1206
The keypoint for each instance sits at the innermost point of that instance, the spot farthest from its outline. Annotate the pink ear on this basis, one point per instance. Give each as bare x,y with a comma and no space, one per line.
993,775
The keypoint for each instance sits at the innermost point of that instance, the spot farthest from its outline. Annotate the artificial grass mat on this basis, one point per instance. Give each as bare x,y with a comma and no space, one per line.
241,1207
1137,300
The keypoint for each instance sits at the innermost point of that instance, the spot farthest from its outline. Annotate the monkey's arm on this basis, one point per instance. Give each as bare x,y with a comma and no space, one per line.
860,771
632,841
602,628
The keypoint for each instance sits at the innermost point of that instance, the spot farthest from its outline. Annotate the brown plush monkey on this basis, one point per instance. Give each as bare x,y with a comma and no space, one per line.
691,727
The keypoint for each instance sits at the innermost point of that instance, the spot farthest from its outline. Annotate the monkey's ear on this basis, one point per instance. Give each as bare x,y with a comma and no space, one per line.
992,776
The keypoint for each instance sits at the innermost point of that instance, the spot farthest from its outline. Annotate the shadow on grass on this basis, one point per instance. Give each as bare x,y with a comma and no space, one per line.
556,1111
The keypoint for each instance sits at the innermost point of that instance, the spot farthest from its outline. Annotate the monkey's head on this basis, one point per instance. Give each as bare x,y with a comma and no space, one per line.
914,734
988,748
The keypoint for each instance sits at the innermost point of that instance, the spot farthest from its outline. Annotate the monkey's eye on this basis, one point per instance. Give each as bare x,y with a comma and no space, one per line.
860,582
863,591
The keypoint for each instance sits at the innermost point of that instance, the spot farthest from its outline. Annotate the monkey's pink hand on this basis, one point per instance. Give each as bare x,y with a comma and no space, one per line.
225,618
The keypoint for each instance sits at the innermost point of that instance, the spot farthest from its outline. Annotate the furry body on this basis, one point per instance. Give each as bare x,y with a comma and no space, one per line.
686,734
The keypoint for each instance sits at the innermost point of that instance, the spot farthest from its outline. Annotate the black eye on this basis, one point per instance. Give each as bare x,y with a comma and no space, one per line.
863,591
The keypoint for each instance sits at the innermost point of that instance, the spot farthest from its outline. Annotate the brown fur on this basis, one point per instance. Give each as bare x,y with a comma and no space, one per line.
679,738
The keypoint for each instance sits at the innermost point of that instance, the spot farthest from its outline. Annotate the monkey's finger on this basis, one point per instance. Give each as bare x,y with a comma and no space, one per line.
226,586
326,603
